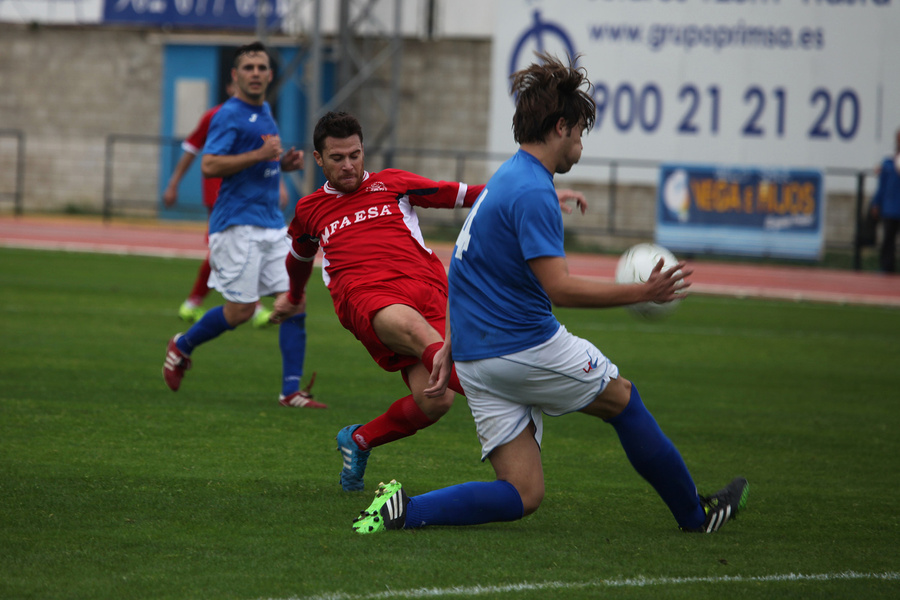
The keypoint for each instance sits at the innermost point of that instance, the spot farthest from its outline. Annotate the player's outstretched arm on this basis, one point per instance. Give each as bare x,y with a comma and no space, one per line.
567,290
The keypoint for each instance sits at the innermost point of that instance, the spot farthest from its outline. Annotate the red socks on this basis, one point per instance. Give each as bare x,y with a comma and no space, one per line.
401,420
404,417
201,288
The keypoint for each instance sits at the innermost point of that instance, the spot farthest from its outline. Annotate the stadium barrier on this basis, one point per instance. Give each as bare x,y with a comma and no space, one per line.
621,212
12,162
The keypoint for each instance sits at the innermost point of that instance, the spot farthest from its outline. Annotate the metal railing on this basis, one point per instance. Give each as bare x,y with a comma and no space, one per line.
17,167
131,166
132,163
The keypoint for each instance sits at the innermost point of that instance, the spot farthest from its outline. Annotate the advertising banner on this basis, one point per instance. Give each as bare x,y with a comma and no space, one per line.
779,83
219,14
740,211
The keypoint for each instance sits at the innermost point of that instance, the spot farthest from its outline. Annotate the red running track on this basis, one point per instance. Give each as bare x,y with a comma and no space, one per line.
187,240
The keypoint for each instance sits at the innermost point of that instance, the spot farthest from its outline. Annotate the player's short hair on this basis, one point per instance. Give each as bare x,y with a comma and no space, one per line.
250,48
338,125
547,91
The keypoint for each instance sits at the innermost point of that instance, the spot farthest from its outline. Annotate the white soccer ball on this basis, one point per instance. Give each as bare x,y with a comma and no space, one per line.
635,266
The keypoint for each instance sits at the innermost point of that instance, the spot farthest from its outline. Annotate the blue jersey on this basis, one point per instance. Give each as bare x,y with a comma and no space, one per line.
249,197
497,305
887,195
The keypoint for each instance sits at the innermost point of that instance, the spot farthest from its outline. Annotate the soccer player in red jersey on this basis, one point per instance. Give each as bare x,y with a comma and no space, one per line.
388,288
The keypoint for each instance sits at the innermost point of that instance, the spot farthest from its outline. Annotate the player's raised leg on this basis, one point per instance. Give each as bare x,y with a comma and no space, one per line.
400,329
658,461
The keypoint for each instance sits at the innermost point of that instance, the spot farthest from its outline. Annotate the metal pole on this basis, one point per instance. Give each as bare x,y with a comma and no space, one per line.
261,10
20,173
313,97
396,73
611,218
107,179
345,65
860,195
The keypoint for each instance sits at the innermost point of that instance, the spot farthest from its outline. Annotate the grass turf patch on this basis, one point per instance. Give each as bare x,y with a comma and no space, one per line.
113,486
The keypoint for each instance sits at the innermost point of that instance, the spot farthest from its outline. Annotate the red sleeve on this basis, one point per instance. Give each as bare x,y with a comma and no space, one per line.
428,193
299,261
299,272
472,193
195,141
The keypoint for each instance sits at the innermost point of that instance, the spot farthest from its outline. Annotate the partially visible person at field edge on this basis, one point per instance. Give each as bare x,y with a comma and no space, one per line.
191,309
246,227
515,361
885,207
388,288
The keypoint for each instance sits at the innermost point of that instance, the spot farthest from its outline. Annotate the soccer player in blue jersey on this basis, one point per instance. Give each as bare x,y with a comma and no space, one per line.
247,234
515,361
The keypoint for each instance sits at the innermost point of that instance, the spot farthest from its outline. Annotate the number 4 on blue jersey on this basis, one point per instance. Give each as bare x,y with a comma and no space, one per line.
462,241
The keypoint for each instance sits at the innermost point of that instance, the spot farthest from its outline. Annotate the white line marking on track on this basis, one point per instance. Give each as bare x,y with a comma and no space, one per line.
636,582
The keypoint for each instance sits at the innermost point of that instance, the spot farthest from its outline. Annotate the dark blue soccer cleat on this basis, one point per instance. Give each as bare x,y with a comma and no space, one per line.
723,506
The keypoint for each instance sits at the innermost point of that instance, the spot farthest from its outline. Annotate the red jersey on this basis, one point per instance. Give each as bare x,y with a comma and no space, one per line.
194,144
373,234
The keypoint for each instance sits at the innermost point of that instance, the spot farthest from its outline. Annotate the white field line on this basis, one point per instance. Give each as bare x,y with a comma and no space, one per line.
635,582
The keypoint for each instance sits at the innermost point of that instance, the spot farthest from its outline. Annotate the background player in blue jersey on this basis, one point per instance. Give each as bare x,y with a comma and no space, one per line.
247,234
886,206
515,361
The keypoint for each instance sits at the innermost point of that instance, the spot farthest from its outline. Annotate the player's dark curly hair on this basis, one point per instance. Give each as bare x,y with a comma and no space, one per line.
249,49
547,91
338,125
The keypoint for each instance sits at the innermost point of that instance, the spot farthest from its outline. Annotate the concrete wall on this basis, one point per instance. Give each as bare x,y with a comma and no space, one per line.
66,88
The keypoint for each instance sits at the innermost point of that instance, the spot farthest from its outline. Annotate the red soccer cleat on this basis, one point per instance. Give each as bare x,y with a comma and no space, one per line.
301,399
175,365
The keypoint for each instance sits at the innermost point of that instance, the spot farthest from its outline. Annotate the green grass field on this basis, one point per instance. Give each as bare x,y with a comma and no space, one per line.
111,486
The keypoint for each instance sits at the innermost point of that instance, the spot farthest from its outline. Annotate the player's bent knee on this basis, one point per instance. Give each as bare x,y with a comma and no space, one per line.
611,401
531,500
435,408
237,314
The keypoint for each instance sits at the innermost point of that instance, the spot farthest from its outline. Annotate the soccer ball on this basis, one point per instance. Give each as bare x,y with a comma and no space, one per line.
635,266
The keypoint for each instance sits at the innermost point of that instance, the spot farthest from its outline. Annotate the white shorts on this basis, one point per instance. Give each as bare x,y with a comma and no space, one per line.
248,262
562,375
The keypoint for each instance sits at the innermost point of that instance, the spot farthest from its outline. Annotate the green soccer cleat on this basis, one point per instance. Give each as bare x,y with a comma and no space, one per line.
723,506
387,511
261,318
190,313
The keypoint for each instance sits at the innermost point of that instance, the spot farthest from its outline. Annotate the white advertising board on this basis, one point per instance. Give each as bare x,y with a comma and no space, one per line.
782,83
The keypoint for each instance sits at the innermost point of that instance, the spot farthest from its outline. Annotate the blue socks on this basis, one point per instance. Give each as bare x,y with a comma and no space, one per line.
650,452
211,325
471,503
292,340
657,460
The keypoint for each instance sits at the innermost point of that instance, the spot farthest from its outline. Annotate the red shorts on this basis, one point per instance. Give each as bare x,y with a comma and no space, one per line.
358,307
